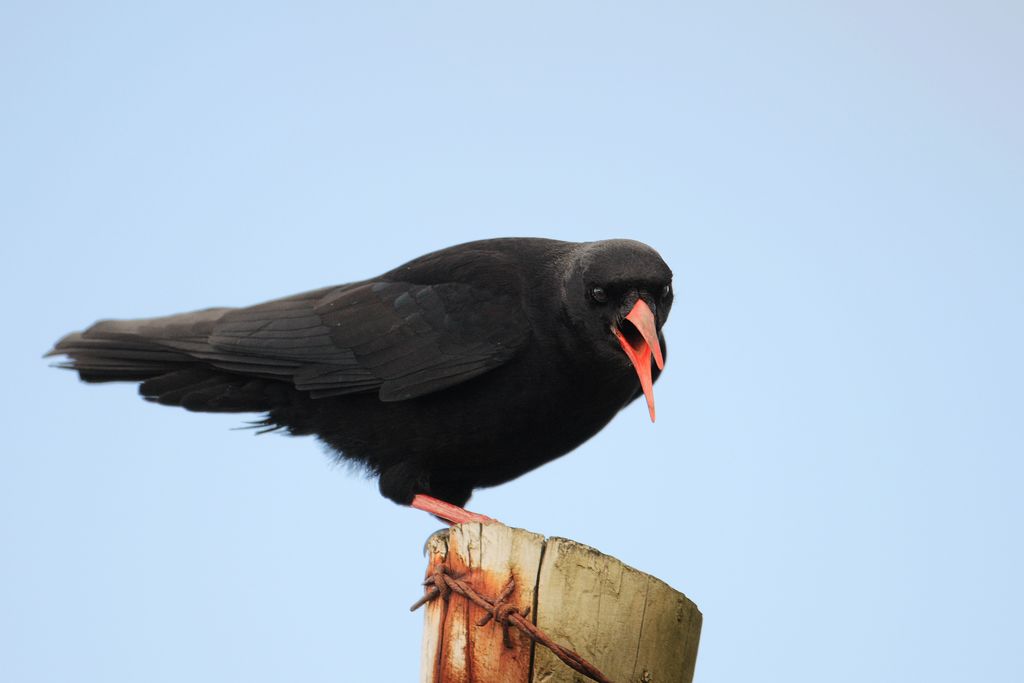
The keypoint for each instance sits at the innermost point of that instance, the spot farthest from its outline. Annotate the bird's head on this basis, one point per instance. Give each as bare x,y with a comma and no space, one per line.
620,293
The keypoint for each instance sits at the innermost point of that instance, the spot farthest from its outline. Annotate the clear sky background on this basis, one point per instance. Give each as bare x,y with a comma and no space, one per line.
835,477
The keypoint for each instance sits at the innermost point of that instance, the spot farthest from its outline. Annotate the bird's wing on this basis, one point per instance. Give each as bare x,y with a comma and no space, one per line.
401,339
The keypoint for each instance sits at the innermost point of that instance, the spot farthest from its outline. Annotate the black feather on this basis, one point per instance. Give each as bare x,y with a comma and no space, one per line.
463,368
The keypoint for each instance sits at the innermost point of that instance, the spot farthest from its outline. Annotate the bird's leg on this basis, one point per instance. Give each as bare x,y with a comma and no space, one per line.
452,514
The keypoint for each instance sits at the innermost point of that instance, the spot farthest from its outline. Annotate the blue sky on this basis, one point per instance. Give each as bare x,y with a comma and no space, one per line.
835,476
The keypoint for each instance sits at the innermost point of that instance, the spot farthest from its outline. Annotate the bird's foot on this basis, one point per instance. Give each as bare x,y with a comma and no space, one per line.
452,514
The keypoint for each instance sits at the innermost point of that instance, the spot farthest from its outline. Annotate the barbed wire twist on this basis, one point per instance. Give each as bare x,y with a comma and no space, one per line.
442,583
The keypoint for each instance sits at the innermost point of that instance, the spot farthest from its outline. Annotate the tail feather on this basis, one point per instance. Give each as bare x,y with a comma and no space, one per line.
171,357
206,390
116,350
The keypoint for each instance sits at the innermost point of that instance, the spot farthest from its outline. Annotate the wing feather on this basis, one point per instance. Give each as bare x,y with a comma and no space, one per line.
400,339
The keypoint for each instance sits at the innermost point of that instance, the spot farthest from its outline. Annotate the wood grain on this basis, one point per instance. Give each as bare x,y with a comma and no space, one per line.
631,626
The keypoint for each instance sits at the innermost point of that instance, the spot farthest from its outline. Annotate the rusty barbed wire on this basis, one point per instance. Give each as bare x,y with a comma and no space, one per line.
442,584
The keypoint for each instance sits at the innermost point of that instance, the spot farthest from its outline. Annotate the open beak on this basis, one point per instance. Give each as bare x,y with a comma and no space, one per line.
640,347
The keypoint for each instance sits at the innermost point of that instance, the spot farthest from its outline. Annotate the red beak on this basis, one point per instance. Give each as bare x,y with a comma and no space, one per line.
640,350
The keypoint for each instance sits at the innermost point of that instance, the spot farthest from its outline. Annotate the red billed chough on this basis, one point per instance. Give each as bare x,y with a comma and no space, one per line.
463,368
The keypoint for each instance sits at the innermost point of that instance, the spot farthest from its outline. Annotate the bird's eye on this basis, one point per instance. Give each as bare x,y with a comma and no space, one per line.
665,291
598,294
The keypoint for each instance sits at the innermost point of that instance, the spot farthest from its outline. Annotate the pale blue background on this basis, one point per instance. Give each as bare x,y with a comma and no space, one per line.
836,474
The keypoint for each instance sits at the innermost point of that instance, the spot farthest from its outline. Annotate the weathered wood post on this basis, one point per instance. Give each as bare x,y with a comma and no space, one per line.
633,627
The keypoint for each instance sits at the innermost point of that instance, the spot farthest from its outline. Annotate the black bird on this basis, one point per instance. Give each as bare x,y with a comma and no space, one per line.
463,368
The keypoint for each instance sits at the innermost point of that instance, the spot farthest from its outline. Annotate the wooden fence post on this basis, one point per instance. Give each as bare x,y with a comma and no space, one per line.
631,626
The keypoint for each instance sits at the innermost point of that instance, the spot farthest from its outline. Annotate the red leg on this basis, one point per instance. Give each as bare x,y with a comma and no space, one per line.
452,514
